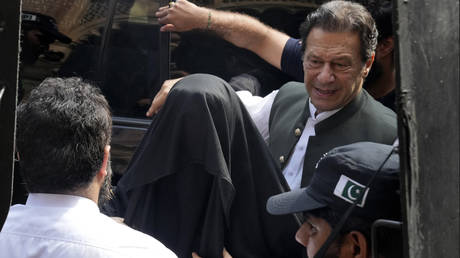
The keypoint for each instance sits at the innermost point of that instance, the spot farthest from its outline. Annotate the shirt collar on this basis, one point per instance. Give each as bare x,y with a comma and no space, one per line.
321,116
60,201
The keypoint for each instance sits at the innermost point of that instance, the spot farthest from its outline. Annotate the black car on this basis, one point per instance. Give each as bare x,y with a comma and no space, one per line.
116,44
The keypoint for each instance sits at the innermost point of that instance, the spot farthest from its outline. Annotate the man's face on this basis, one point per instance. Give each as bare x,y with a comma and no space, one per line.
35,43
333,69
313,233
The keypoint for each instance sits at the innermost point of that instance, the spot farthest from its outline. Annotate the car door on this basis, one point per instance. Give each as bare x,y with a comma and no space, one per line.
116,45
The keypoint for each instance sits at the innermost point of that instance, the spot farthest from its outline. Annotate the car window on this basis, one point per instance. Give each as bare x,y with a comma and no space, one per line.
115,45
201,51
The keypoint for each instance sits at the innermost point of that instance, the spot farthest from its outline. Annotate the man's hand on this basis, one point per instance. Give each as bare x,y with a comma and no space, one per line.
161,96
119,220
225,254
182,16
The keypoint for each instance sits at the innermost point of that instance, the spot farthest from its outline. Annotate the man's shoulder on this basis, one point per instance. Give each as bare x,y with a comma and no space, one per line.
289,95
18,218
375,119
377,111
135,243
77,231
294,86
293,90
289,103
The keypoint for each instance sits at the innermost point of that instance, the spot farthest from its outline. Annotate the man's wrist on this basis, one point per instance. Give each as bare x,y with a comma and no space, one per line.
204,20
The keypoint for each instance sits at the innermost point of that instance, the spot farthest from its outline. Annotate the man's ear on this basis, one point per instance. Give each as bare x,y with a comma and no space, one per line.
368,65
103,171
385,47
355,245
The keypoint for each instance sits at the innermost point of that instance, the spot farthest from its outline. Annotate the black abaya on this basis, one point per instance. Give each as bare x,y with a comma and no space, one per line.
201,177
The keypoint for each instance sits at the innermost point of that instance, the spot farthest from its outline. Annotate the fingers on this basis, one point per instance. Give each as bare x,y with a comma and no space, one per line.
183,15
161,96
195,255
162,12
165,10
150,112
162,9
157,103
225,254
168,27
163,15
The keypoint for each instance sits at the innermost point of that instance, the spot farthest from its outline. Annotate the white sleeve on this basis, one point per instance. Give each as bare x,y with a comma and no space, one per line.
259,108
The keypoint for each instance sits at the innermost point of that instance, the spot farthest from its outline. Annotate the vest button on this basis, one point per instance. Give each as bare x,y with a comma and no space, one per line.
282,159
297,132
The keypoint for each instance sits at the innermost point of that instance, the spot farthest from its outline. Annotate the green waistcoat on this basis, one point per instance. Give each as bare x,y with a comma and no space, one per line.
363,119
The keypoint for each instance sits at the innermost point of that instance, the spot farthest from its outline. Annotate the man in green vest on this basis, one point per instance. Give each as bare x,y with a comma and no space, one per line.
204,162
300,122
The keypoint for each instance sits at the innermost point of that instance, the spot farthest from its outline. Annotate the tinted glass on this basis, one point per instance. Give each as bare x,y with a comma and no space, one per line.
130,68
201,51
115,44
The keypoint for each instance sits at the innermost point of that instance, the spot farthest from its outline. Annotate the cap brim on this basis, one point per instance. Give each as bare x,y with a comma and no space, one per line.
298,200
50,31
59,36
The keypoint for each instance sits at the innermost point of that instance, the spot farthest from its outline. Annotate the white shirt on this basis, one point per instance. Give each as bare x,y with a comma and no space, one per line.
259,108
53,225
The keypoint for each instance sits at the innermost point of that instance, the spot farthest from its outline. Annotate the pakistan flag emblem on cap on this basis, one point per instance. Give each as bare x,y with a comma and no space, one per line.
350,190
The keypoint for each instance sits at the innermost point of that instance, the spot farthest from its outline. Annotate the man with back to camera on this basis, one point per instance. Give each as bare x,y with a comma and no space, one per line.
204,127
340,179
63,138
38,31
276,47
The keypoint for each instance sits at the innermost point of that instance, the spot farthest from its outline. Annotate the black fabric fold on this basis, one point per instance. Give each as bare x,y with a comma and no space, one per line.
201,177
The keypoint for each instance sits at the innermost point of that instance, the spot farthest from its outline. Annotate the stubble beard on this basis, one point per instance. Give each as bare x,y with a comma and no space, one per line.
105,194
374,75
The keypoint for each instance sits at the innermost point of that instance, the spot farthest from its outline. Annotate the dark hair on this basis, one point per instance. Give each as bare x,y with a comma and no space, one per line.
62,129
342,16
381,11
391,242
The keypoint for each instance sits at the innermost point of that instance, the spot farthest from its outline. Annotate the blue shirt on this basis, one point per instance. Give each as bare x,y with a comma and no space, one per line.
291,59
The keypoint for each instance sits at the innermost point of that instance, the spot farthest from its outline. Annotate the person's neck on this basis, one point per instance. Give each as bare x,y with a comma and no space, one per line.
91,192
